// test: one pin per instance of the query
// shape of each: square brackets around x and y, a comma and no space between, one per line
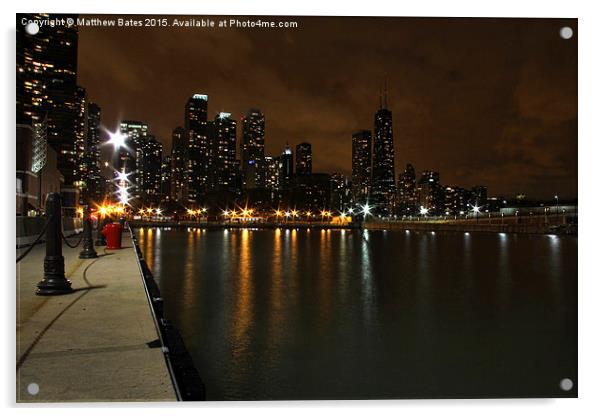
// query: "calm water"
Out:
[299,314]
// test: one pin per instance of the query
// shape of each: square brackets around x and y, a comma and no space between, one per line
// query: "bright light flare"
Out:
[366,209]
[122,176]
[424,210]
[117,139]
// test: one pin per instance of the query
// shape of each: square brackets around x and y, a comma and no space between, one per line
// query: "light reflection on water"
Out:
[288,314]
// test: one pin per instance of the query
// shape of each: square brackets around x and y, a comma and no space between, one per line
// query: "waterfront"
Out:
[301,314]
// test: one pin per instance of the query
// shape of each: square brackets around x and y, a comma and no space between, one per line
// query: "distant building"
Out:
[273,168]
[178,159]
[383,162]
[286,170]
[340,193]
[80,173]
[198,147]
[311,192]
[478,196]
[166,179]
[431,194]
[456,200]
[407,197]
[223,154]
[129,157]
[252,150]
[361,165]
[303,163]
[149,175]
[95,181]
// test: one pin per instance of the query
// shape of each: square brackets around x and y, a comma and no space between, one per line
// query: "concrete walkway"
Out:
[93,344]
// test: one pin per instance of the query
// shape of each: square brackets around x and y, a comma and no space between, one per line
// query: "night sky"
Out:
[482,101]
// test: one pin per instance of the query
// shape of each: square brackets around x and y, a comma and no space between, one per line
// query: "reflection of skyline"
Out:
[267,310]
[469,105]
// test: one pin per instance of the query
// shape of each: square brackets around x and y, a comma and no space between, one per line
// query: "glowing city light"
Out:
[122,176]
[158,211]
[366,209]
[423,210]
[117,139]
[476,209]
[123,195]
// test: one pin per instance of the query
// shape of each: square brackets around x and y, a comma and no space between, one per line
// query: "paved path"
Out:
[93,344]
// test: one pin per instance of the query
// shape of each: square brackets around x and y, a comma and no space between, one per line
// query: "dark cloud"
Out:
[484,101]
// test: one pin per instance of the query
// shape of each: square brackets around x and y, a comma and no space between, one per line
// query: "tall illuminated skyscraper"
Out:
[95,181]
[179,165]
[46,85]
[252,150]
[128,158]
[286,169]
[303,163]
[383,164]
[407,198]
[81,137]
[198,147]
[149,171]
[361,165]
[223,153]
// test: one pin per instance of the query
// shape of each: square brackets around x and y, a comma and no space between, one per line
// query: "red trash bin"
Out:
[112,233]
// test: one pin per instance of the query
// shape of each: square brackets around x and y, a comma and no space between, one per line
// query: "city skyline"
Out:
[507,119]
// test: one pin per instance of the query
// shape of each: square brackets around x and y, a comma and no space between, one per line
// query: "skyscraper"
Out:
[286,170]
[129,157]
[95,181]
[46,85]
[149,173]
[273,168]
[431,195]
[340,193]
[166,179]
[179,165]
[303,160]
[407,191]
[383,165]
[195,119]
[223,153]
[80,173]
[361,165]
[252,150]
